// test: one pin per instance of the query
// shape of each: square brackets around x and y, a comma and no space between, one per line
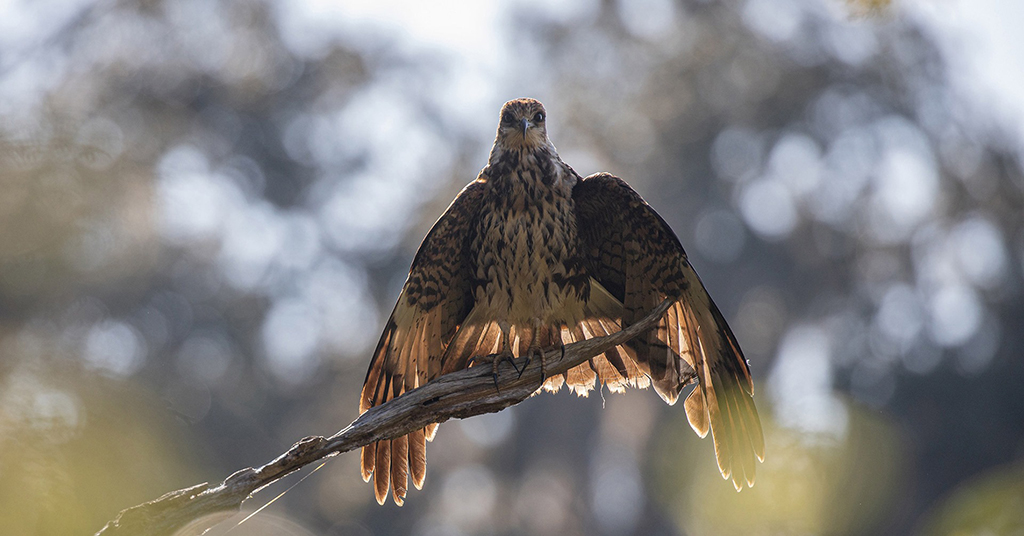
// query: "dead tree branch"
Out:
[460,394]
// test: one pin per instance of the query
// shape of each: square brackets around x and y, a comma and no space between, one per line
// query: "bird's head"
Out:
[522,124]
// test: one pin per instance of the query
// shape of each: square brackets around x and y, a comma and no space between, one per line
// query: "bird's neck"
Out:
[531,166]
[530,183]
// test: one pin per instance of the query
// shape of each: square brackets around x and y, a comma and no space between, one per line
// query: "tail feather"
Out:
[368,459]
[382,473]
[399,468]
[618,362]
[580,378]
[607,374]
[418,457]
[617,368]
[554,383]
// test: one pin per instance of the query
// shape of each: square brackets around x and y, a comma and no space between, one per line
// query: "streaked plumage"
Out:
[530,256]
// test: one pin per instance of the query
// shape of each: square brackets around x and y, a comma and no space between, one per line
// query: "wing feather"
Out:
[630,251]
[434,302]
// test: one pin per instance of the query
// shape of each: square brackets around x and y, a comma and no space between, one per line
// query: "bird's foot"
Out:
[531,352]
[495,360]
[507,356]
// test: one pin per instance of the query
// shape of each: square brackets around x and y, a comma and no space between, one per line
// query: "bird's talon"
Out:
[533,351]
[512,361]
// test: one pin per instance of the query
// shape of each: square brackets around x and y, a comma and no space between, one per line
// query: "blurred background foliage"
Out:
[206,209]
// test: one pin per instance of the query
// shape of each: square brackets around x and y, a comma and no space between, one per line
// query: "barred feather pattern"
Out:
[633,253]
[530,256]
[434,301]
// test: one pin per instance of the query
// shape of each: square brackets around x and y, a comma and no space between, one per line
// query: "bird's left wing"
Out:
[630,251]
[435,300]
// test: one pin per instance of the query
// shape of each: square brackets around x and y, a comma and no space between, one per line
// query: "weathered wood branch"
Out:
[460,394]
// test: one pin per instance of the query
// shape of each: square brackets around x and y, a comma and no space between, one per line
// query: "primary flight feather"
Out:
[530,256]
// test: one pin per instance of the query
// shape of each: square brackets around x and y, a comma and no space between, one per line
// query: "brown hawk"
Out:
[530,256]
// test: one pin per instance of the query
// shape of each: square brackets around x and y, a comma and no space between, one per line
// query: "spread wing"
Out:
[435,300]
[631,251]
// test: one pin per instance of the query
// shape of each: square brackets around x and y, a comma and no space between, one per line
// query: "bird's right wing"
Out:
[435,300]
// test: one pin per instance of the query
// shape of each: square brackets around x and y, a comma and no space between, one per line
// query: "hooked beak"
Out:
[526,125]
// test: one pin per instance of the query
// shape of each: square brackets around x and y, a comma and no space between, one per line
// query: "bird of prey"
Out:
[529,257]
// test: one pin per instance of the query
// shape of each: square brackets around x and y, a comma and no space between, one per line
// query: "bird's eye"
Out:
[539,117]
[507,119]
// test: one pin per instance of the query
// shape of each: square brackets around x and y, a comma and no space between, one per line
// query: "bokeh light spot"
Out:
[720,235]
[490,429]
[955,313]
[114,348]
[768,208]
